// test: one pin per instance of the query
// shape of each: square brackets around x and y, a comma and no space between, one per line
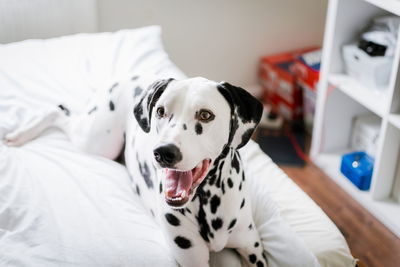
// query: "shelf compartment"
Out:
[338,120]
[373,99]
[348,25]
[383,179]
[387,209]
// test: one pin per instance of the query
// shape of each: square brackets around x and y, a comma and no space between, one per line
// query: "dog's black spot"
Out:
[218,184]
[171,117]
[252,258]
[264,256]
[152,213]
[208,193]
[182,211]
[215,202]
[217,223]
[138,190]
[92,110]
[260,264]
[65,110]
[188,210]
[256,244]
[203,200]
[184,126]
[183,242]
[240,186]
[246,136]
[198,128]
[242,205]
[223,188]
[145,172]
[137,91]
[234,125]
[243,176]
[160,187]
[201,217]
[112,87]
[212,174]
[235,163]
[230,183]
[250,227]
[135,77]
[172,219]
[232,224]
[111,105]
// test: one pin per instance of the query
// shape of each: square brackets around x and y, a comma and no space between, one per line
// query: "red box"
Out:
[278,80]
[306,68]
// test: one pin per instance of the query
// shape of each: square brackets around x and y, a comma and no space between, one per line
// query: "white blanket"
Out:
[62,207]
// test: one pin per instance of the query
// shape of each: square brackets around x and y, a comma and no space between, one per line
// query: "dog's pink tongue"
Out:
[176,182]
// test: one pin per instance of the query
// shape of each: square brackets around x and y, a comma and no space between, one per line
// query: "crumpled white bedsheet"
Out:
[62,207]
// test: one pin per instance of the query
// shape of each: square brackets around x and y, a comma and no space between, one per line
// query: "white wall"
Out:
[221,39]
[25,19]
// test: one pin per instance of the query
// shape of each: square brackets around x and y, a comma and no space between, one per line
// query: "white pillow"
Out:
[68,69]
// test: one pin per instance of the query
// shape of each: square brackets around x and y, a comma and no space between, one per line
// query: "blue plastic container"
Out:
[358,167]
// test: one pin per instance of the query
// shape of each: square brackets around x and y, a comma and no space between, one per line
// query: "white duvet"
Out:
[62,207]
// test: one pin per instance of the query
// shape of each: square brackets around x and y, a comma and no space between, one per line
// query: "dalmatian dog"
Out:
[182,141]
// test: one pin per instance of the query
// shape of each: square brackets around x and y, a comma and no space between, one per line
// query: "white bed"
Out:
[62,207]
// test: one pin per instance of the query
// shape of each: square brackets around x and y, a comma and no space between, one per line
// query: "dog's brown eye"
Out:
[205,115]
[160,112]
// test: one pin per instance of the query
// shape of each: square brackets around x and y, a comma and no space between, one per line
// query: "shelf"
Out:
[392,6]
[387,210]
[394,119]
[342,98]
[373,99]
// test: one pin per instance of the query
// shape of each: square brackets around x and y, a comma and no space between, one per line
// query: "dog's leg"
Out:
[33,128]
[187,246]
[251,248]
[98,130]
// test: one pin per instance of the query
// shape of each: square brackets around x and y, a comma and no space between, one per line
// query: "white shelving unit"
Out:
[341,98]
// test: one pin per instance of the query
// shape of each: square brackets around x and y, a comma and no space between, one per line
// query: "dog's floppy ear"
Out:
[246,112]
[144,107]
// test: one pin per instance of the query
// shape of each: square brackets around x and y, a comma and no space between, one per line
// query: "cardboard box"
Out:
[278,78]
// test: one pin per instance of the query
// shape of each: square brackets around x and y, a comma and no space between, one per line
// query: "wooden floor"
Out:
[368,239]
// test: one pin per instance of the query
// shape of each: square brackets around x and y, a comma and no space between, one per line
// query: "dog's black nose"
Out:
[167,155]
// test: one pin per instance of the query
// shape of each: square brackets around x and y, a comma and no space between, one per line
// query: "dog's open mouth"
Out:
[180,184]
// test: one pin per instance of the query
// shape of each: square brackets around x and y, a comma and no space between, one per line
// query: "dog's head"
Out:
[193,121]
